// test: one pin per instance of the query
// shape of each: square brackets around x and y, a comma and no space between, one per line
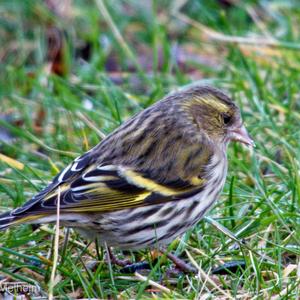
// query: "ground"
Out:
[72,71]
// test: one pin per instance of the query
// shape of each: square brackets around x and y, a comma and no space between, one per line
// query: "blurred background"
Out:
[71,71]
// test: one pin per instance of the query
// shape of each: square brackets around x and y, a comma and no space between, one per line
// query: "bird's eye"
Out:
[226,118]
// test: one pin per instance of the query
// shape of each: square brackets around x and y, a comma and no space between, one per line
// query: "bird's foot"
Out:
[132,268]
[180,264]
[116,261]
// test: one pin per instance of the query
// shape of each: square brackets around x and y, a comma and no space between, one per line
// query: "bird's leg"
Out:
[129,267]
[179,263]
[116,261]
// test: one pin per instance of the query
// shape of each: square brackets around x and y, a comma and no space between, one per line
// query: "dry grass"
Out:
[71,73]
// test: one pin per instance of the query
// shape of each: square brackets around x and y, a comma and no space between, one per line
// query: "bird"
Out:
[151,179]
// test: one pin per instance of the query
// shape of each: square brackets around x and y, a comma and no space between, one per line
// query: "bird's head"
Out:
[216,115]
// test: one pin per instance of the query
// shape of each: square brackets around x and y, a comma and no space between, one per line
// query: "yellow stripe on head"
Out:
[211,101]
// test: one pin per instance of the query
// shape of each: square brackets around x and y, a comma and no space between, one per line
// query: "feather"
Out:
[107,188]
[159,155]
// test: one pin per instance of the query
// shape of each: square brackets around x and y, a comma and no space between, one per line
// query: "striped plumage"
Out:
[151,179]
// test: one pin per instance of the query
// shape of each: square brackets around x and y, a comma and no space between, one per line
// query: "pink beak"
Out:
[241,135]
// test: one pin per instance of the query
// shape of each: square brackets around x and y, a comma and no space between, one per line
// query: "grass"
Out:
[115,58]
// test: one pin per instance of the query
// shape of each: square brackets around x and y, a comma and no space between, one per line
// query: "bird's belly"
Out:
[153,225]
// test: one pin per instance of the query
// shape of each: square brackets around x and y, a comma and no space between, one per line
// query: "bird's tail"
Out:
[8,219]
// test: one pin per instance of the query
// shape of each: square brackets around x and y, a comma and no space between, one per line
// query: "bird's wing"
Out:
[105,188]
[99,181]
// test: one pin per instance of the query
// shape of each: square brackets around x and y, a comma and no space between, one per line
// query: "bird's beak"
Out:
[241,135]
